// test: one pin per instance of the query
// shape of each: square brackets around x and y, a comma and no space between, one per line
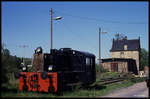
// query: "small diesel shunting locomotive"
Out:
[51,71]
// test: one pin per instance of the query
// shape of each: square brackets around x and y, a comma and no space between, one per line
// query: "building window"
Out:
[125,47]
[121,54]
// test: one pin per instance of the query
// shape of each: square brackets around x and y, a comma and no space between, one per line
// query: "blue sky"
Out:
[27,23]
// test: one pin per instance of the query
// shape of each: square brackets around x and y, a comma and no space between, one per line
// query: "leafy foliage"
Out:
[10,64]
[102,70]
[144,58]
[5,56]
[27,61]
[97,68]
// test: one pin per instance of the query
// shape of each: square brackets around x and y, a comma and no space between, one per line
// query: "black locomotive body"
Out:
[73,66]
[52,71]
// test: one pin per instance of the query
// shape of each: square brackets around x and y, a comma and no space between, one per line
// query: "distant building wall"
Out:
[122,66]
[127,54]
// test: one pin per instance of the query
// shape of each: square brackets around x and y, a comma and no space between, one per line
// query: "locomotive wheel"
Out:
[25,88]
[59,93]
[17,75]
[51,89]
[44,75]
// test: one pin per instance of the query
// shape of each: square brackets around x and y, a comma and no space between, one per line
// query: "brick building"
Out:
[124,49]
[120,65]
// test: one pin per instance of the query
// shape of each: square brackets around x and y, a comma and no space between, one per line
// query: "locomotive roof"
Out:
[76,51]
[85,53]
[81,52]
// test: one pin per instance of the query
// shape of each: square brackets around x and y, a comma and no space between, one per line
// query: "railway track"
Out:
[118,78]
[104,81]
[110,81]
[99,84]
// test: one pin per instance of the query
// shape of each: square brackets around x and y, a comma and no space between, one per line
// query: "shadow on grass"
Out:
[96,87]
[74,88]
[10,90]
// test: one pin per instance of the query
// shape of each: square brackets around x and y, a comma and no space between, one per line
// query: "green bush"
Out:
[101,69]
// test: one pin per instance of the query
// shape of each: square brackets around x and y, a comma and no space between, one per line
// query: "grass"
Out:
[95,91]
[109,75]
[11,90]
[99,90]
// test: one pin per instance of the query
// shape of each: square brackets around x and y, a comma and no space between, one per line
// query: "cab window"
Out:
[87,61]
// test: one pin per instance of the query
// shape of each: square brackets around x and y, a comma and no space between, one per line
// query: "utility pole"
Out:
[100,31]
[23,46]
[99,46]
[51,27]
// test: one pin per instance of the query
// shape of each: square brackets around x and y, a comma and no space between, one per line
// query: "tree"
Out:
[27,61]
[9,64]
[144,58]
[5,56]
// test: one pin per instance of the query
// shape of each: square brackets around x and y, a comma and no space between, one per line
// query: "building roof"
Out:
[116,59]
[132,45]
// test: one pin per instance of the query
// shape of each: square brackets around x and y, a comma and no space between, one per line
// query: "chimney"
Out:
[124,38]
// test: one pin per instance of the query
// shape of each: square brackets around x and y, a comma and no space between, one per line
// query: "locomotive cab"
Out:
[75,66]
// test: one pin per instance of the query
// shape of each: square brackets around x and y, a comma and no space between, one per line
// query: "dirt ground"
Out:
[137,90]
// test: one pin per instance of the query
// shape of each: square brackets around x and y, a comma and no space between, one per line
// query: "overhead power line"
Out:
[64,24]
[97,19]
